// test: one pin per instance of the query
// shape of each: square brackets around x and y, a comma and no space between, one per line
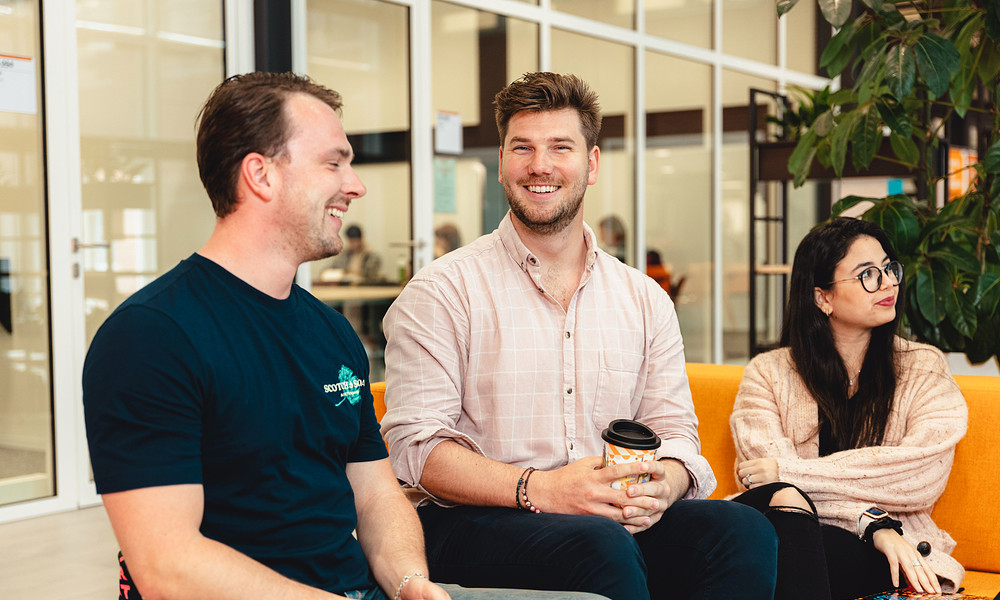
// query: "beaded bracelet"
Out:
[520,482]
[406,580]
[524,493]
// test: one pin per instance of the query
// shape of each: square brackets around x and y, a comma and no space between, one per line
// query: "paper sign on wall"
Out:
[17,84]
[448,138]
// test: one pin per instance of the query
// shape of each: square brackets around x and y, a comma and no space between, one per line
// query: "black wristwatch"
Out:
[874,519]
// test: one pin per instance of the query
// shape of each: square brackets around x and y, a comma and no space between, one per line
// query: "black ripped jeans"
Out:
[818,561]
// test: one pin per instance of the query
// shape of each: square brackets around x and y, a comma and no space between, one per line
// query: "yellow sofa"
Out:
[969,509]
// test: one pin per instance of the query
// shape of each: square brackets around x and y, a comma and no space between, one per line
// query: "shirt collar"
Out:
[524,257]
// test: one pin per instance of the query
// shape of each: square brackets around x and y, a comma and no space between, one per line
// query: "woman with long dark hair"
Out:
[845,434]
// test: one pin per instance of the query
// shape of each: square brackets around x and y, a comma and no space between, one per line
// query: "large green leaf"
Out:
[915,322]
[900,70]
[937,59]
[823,123]
[960,88]
[823,152]
[875,5]
[949,13]
[944,226]
[961,310]
[870,78]
[991,162]
[894,116]
[984,345]
[905,148]
[992,18]
[849,201]
[895,215]
[989,61]
[950,339]
[836,12]
[842,96]
[839,138]
[956,255]
[930,292]
[866,138]
[994,185]
[785,6]
[840,50]
[801,159]
[988,294]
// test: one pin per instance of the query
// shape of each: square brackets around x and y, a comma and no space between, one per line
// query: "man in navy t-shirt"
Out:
[228,411]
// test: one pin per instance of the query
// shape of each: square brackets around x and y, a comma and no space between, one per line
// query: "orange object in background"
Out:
[656,270]
[960,173]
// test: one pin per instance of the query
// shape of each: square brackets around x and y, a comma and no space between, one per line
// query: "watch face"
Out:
[876,511]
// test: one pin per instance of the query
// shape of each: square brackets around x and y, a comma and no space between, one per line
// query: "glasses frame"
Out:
[878,271]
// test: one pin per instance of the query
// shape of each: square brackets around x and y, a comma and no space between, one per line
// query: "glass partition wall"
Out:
[672,187]
[360,48]
[418,78]
[490,51]
[145,68]
[26,430]
[678,178]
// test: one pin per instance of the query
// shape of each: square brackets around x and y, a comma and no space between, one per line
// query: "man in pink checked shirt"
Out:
[508,357]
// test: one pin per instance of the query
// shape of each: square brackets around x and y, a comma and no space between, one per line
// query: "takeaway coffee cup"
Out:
[627,441]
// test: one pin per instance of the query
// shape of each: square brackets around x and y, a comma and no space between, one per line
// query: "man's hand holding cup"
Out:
[627,441]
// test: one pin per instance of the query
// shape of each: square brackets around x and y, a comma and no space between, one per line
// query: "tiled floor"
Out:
[70,556]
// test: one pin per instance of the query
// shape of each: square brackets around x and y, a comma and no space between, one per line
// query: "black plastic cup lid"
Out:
[630,434]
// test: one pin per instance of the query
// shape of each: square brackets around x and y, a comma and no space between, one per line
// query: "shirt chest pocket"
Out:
[616,385]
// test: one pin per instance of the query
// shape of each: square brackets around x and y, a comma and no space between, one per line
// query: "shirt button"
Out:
[533,261]
[541,290]
[569,390]
[567,335]
[571,445]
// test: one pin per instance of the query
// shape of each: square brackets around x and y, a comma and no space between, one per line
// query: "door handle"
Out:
[77,245]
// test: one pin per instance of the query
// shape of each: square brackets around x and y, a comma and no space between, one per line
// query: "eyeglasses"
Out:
[871,278]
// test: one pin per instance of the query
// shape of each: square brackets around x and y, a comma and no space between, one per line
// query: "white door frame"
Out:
[73,488]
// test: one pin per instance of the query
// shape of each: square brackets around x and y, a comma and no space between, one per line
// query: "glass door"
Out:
[145,68]
[26,424]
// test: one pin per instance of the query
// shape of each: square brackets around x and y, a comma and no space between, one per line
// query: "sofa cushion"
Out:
[714,388]
[970,506]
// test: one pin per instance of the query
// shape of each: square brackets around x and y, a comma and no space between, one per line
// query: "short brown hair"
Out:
[245,114]
[549,91]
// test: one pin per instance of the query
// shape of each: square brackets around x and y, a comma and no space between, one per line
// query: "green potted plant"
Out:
[914,65]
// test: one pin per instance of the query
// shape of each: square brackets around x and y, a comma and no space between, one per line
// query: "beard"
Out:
[310,236]
[324,248]
[544,223]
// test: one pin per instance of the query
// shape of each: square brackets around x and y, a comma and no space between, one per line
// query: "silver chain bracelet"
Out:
[406,580]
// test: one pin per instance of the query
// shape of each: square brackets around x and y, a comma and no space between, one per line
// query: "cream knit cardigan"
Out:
[775,416]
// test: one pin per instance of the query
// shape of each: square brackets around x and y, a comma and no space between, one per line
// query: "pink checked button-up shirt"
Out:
[479,354]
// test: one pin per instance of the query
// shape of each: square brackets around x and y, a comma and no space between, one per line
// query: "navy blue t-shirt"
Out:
[201,378]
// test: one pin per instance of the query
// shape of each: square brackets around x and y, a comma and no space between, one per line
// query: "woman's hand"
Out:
[757,472]
[902,555]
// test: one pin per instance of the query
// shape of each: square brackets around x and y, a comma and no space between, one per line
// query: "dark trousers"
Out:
[699,549]
[819,561]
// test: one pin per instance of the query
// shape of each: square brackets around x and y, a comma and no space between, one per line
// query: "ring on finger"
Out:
[916,562]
